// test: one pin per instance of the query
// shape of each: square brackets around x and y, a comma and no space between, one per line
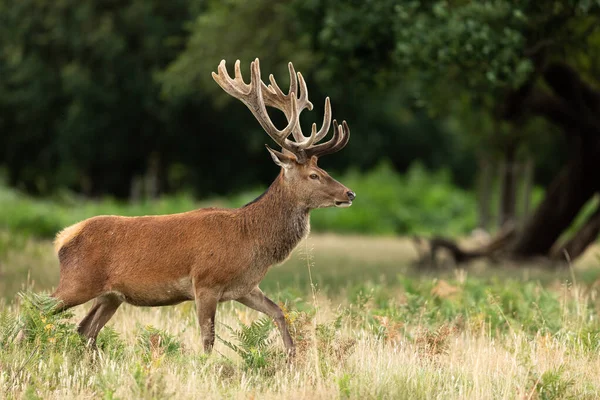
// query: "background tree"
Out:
[518,60]
[360,84]
[80,101]
[95,95]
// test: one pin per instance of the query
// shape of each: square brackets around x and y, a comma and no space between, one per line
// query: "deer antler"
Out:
[256,96]
[341,136]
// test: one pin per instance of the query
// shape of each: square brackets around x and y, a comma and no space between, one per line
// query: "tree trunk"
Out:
[527,186]
[575,106]
[152,178]
[485,190]
[565,197]
[508,189]
[135,189]
[585,236]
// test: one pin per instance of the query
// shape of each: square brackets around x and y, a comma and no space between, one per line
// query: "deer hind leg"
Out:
[71,295]
[104,308]
[257,300]
[206,308]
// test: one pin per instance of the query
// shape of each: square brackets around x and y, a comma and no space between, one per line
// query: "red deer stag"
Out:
[209,255]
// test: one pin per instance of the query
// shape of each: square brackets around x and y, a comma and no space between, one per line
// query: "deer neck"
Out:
[277,220]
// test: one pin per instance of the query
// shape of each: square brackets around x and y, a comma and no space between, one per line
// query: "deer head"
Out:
[311,185]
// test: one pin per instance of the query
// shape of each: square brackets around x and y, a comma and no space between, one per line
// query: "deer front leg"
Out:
[257,300]
[206,308]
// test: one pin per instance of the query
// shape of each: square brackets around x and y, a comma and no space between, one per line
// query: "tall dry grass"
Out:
[460,335]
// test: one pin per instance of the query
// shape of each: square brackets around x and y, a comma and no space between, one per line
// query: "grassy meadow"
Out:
[369,326]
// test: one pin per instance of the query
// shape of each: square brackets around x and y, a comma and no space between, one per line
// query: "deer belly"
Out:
[157,293]
[244,284]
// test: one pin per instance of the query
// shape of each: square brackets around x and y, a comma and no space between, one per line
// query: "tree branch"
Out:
[580,98]
[585,236]
[554,109]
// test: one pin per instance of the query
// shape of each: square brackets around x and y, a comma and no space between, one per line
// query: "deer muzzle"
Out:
[350,195]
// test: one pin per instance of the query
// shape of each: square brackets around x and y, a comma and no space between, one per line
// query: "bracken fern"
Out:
[254,344]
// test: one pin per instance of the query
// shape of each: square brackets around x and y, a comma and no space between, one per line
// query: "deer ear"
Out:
[283,160]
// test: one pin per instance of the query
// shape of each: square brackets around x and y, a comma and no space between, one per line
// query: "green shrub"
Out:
[387,203]
[254,345]
[155,344]
[44,328]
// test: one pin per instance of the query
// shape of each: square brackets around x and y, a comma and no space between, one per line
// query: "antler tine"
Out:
[276,90]
[342,142]
[238,74]
[260,111]
[274,87]
[293,82]
[303,100]
[274,97]
[326,121]
[303,103]
[257,96]
[251,95]
[341,136]
[227,84]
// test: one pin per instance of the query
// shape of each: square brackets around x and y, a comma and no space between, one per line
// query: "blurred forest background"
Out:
[463,114]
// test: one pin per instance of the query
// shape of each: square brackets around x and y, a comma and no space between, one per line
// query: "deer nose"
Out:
[351,195]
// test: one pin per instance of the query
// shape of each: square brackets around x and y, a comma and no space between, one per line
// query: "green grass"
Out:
[370,327]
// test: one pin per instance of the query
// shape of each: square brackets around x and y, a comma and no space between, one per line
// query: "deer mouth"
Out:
[343,204]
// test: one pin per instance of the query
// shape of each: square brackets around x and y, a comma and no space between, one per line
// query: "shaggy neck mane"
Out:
[287,222]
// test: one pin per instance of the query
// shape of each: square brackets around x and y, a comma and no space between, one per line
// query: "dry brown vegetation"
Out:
[372,328]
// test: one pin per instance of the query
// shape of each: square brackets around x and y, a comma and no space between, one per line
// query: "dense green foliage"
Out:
[78,92]
[387,203]
[94,95]
[418,202]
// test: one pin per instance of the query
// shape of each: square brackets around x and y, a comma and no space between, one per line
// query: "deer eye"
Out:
[314,176]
